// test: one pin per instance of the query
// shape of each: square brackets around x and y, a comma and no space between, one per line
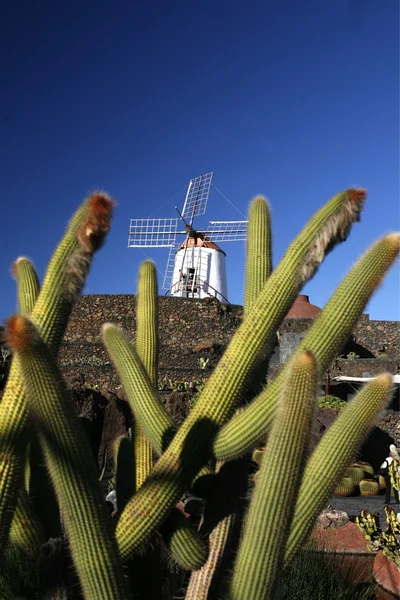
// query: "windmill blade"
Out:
[197,196]
[154,233]
[169,269]
[226,231]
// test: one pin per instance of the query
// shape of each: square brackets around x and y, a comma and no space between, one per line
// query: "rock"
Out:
[387,576]
[332,518]
[347,539]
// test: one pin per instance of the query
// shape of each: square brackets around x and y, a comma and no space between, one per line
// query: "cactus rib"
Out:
[325,339]
[71,464]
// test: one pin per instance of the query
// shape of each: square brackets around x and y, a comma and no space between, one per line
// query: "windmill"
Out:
[196,265]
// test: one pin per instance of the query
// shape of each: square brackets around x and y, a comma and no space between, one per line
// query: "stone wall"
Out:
[191,330]
[380,337]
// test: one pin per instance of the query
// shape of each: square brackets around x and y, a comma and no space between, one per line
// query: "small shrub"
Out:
[352,355]
[331,402]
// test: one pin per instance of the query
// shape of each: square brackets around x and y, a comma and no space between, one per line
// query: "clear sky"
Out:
[293,100]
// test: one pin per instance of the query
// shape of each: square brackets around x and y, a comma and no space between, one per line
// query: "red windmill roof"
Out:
[302,309]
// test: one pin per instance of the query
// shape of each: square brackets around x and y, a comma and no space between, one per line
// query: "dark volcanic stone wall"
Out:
[380,337]
[189,329]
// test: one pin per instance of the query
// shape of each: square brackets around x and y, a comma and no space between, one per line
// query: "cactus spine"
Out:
[65,446]
[259,560]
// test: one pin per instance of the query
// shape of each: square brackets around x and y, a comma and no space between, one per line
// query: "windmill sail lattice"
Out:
[194,263]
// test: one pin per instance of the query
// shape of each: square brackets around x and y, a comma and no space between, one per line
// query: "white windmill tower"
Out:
[196,265]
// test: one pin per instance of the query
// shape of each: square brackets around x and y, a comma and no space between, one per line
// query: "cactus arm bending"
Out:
[141,395]
[325,339]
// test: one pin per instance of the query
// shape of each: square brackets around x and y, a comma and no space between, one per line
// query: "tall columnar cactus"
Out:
[230,498]
[210,432]
[147,349]
[25,530]
[71,464]
[28,285]
[64,279]
[258,251]
[259,560]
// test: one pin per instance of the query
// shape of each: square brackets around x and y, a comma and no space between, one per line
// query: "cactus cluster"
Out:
[237,551]
[388,539]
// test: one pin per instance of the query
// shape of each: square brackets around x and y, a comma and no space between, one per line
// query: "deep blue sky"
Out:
[294,100]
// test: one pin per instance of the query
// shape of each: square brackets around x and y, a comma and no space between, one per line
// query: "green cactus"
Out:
[63,281]
[345,487]
[96,552]
[379,539]
[369,469]
[369,487]
[356,474]
[394,472]
[332,455]
[324,339]
[369,525]
[26,532]
[147,349]
[259,251]
[65,446]
[224,537]
[28,285]
[188,549]
[258,561]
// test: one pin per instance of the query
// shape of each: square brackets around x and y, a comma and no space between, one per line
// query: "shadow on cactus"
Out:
[237,551]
